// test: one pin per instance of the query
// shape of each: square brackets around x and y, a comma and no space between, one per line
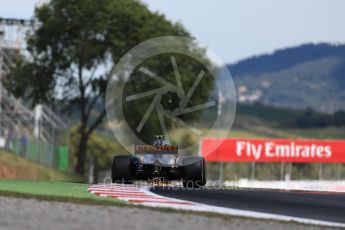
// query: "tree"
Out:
[73,51]
[161,66]
[99,149]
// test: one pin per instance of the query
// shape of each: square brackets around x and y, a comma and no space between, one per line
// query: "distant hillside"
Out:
[304,76]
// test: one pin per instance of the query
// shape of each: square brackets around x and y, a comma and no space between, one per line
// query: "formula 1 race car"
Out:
[159,163]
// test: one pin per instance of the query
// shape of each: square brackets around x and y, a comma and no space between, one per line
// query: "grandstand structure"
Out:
[17,120]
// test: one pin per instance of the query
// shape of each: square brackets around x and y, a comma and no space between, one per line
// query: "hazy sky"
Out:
[241,28]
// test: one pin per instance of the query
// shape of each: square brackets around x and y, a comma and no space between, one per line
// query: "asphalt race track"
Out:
[310,205]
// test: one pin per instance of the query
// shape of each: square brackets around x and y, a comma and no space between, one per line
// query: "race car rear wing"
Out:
[156,149]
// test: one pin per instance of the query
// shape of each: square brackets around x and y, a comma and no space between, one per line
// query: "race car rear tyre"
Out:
[121,170]
[194,172]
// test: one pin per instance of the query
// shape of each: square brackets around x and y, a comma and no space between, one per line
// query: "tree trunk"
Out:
[95,171]
[81,152]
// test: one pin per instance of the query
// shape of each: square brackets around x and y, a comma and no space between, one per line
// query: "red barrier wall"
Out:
[273,150]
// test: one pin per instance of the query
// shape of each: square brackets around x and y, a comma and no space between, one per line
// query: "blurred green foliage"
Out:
[101,149]
[161,66]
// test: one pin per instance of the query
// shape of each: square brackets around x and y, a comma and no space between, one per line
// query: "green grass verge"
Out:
[318,133]
[53,191]
[312,133]
[241,133]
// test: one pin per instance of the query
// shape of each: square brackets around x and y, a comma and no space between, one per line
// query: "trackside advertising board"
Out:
[273,150]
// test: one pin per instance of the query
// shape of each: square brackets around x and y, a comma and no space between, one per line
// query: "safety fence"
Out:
[40,151]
